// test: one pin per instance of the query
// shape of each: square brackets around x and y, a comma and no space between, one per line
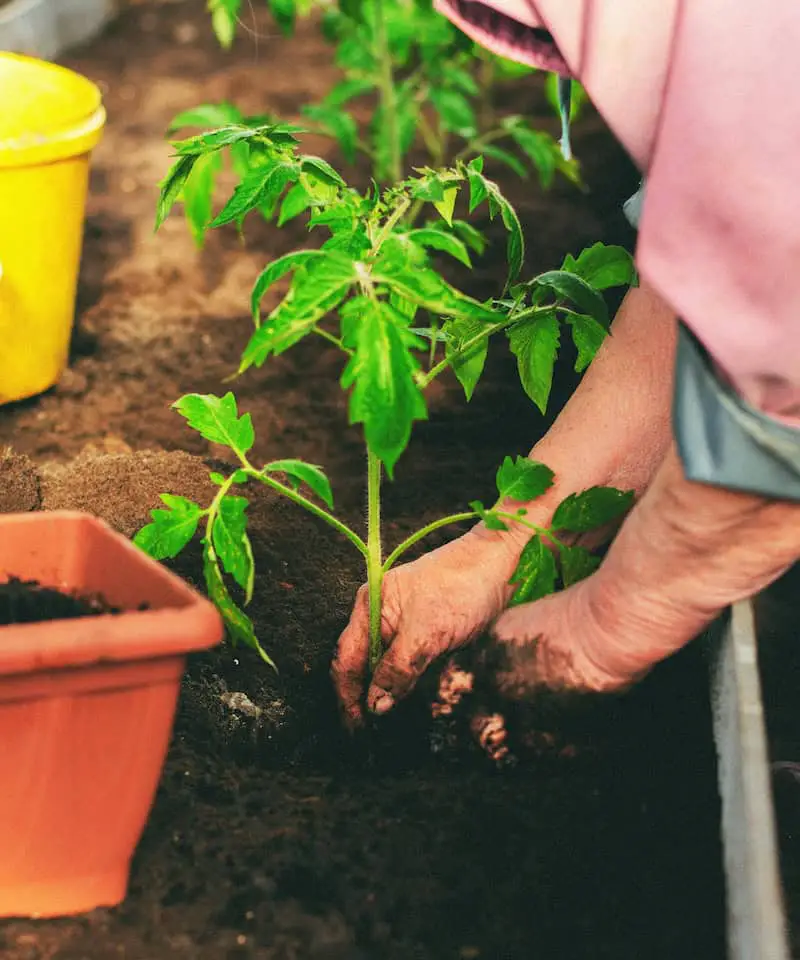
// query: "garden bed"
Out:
[274,835]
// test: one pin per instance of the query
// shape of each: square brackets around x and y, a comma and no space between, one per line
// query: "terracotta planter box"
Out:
[86,711]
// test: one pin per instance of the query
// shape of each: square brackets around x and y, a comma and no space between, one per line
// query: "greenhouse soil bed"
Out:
[274,835]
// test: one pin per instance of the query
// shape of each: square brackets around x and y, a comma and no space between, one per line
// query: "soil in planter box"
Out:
[275,836]
[25,601]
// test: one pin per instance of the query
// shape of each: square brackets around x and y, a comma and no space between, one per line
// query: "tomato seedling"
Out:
[366,291]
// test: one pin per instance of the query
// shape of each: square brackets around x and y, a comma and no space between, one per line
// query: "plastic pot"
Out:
[50,120]
[86,711]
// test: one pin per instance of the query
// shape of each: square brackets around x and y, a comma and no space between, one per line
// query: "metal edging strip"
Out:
[756,922]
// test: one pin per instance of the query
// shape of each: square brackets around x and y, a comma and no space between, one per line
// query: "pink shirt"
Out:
[705,96]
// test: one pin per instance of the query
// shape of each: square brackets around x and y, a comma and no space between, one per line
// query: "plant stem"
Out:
[309,505]
[423,532]
[398,551]
[490,328]
[388,93]
[375,568]
[332,338]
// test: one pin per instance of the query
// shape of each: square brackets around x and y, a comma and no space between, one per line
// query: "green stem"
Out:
[309,505]
[409,542]
[375,568]
[332,338]
[490,328]
[388,93]
[398,551]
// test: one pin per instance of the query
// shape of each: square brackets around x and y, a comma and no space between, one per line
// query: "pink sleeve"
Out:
[720,232]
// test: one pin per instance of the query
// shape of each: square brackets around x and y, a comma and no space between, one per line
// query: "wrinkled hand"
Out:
[557,644]
[436,604]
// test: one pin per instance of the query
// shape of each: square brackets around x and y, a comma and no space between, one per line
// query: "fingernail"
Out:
[383,704]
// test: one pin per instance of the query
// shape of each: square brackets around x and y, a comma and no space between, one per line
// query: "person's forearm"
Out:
[615,428]
[685,553]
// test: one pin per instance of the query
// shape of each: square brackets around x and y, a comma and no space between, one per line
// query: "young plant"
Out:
[367,291]
[419,81]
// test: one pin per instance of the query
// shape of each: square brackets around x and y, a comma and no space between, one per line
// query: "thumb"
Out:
[399,669]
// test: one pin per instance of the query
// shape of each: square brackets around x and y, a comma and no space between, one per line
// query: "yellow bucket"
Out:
[50,120]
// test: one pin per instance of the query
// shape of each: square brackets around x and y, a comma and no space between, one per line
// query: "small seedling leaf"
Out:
[577,563]
[467,366]
[508,159]
[603,266]
[277,269]
[535,576]
[198,193]
[481,188]
[593,508]
[217,420]
[440,240]
[298,471]
[260,189]
[588,336]
[534,342]
[229,537]
[522,479]
[380,375]
[447,204]
[172,187]
[574,288]
[238,625]
[171,529]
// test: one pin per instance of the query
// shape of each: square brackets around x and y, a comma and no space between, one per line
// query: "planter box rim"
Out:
[186,622]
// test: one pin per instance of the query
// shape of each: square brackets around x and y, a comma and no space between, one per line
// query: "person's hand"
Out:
[436,604]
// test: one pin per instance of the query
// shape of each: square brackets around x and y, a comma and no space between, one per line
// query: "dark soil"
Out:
[274,836]
[25,601]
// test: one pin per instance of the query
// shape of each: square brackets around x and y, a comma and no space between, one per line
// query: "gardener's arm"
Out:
[614,430]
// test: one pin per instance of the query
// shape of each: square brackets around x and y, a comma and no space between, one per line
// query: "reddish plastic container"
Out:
[86,711]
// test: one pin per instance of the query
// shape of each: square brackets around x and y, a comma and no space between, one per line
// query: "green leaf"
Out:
[447,205]
[224,16]
[603,266]
[172,187]
[490,519]
[455,111]
[317,288]
[534,342]
[198,192]
[522,479]
[588,337]
[234,133]
[261,187]
[574,288]
[277,269]
[595,507]
[439,240]
[431,291]
[540,148]
[294,203]
[577,563]
[239,626]
[481,188]
[285,14]
[347,90]
[231,543]
[535,575]
[473,238]
[339,123]
[384,394]
[298,471]
[468,366]
[323,170]
[171,529]
[207,115]
[503,156]
[217,420]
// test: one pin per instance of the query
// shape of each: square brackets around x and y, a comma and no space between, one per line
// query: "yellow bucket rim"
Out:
[76,113]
